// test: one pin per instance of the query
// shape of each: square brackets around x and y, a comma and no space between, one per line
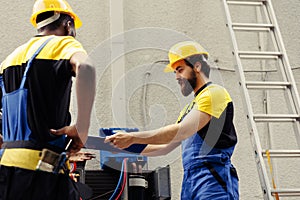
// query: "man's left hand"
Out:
[72,133]
[81,156]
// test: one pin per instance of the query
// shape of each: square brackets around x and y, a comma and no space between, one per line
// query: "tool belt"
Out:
[45,160]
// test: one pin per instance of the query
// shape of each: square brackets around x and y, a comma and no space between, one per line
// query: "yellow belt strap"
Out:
[20,157]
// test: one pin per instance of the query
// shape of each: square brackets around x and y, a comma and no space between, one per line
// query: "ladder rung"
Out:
[276,117]
[282,153]
[286,192]
[260,71]
[252,27]
[267,85]
[246,3]
[259,54]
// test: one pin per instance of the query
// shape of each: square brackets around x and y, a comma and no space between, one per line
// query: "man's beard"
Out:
[188,85]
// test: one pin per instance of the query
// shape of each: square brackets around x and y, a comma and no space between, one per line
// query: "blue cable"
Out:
[119,182]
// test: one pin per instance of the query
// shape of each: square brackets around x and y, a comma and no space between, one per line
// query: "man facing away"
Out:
[36,98]
[204,129]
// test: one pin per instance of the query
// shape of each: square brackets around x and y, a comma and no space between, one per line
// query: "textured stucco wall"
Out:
[151,27]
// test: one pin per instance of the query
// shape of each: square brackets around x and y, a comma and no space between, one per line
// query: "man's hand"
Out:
[72,133]
[120,140]
[81,156]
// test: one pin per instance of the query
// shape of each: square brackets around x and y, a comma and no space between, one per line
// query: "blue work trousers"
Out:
[200,184]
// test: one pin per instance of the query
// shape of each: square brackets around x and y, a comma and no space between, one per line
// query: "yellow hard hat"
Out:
[59,6]
[183,50]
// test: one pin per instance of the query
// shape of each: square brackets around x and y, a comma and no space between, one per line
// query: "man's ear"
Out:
[197,66]
[70,29]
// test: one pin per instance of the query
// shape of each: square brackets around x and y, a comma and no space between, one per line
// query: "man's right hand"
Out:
[120,139]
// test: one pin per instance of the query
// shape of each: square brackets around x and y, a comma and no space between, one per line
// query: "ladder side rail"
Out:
[293,95]
[287,77]
[285,59]
[251,124]
[277,46]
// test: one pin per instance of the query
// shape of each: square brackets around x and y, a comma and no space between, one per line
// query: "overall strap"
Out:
[215,174]
[29,63]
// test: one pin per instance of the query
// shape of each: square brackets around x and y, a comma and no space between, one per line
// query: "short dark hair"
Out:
[56,24]
[191,61]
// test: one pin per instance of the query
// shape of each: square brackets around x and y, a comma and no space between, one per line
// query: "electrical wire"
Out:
[124,179]
[147,75]
[102,195]
[120,180]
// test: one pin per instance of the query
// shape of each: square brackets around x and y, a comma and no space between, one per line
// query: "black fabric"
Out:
[31,145]
[222,128]
[21,184]
[233,172]
[202,88]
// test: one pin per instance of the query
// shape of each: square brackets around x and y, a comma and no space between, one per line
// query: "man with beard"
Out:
[204,129]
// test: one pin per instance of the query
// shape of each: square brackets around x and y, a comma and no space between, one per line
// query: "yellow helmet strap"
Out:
[48,20]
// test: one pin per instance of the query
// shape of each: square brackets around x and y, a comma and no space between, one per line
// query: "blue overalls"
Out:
[208,172]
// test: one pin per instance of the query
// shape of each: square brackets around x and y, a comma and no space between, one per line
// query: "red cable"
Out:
[124,179]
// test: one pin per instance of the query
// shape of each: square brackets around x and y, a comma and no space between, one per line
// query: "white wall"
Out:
[151,27]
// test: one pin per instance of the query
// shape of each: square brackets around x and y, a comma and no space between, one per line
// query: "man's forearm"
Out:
[159,149]
[85,89]
[162,135]
[193,122]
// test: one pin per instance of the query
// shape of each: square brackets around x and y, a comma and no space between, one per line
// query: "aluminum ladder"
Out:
[264,72]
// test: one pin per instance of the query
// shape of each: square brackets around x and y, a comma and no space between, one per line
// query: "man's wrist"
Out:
[136,138]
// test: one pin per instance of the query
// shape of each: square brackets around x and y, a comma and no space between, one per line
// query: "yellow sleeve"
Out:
[66,47]
[212,100]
